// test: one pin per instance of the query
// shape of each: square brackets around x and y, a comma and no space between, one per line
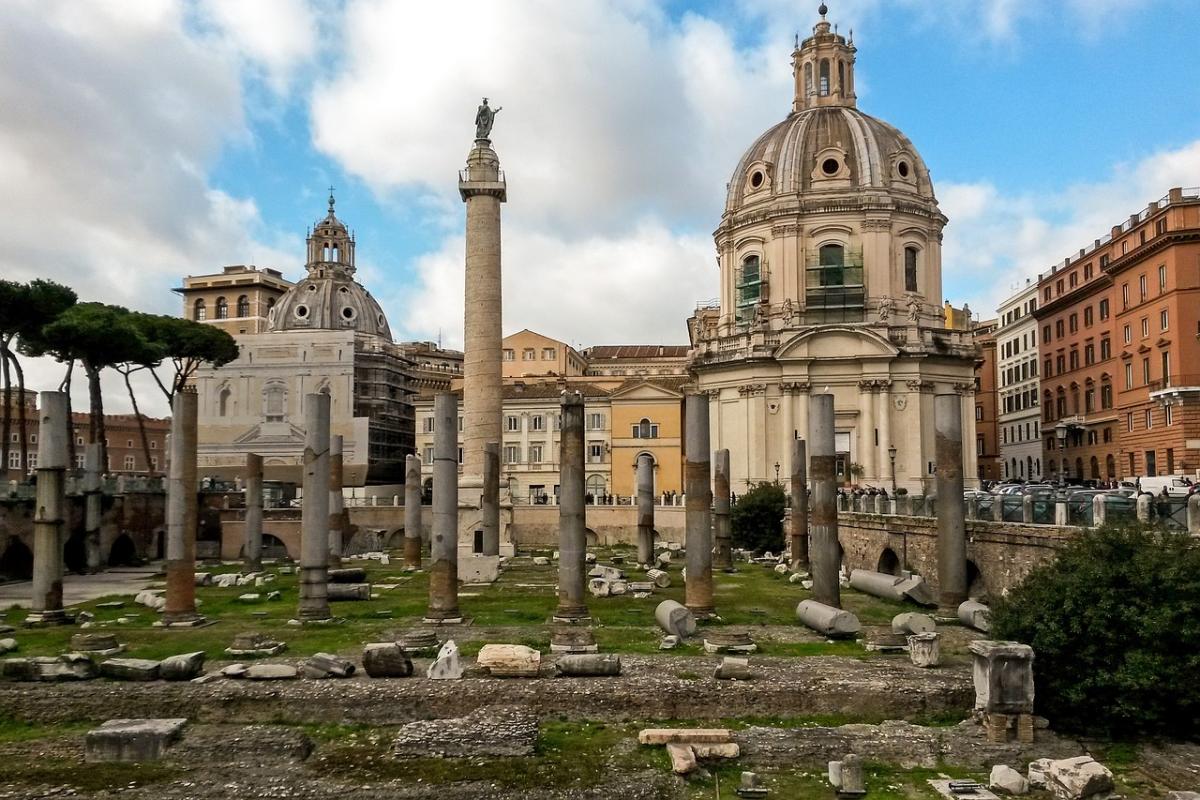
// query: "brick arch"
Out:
[888,562]
[976,584]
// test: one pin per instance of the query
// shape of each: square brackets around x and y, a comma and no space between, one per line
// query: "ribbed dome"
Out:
[828,149]
[332,301]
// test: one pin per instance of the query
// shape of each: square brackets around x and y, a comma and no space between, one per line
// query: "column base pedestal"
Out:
[182,621]
[442,621]
[46,619]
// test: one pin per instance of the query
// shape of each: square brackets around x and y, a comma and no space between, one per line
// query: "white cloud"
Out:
[113,116]
[276,36]
[995,240]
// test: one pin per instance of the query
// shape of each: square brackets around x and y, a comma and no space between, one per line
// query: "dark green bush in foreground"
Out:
[757,518]
[1114,623]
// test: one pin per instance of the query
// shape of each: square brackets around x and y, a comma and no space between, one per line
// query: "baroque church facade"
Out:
[830,261]
[323,334]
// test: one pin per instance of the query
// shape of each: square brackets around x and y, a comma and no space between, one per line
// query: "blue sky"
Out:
[169,137]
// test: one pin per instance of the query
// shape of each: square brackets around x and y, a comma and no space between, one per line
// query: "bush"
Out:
[1114,623]
[757,518]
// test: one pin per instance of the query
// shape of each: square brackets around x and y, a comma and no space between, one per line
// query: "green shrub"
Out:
[757,518]
[1114,623]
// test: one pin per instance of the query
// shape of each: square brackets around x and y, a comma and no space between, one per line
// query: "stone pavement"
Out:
[82,588]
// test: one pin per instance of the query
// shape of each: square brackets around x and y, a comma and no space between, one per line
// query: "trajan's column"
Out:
[483,189]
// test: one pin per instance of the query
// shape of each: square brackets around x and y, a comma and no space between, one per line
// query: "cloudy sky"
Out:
[143,140]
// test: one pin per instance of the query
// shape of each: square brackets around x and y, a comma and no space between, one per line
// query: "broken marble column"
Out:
[183,510]
[698,582]
[847,776]
[50,511]
[645,509]
[443,570]
[583,665]
[952,530]
[675,619]
[912,622]
[798,516]
[924,649]
[314,515]
[572,530]
[448,664]
[337,519]
[823,523]
[722,524]
[93,499]
[252,549]
[733,669]
[412,511]
[828,620]
[386,660]
[509,660]
[891,587]
[490,499]
[975,614]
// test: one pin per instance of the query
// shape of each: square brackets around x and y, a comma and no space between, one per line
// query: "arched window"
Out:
[1110,466]
[824,77]
[274,402]
[270,303]
[223,402]
[646,429]
[1095,468]
[200,312]
[243,306]
[808,80]
[833,259]
[222,308]
[910,269]
[1078,467]
[842,78]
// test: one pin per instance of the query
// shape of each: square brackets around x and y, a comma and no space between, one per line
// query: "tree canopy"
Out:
[757,518]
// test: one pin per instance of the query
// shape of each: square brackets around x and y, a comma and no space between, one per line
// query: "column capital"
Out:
[752,389]
[919,386]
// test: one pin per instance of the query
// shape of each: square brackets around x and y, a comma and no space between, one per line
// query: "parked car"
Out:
[1176,485]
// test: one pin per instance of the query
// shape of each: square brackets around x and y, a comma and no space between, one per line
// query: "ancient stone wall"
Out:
[1000,554]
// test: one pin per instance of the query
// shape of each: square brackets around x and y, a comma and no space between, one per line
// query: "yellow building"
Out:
[238,299]
[647,417]
[527,354]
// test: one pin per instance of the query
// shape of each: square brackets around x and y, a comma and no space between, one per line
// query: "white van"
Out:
[1176,485]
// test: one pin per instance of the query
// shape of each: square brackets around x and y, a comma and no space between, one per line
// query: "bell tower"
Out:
[823,68]
[330,246]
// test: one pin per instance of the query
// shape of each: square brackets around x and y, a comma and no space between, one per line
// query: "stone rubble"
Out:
[447,665]
[1080,778]
[488,733]
[183,667]
[509,661]
[1006,780]
[386,660]
[132,740]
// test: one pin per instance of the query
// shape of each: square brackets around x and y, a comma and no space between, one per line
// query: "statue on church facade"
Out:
[485,117]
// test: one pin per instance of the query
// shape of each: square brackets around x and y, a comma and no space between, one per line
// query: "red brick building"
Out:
[987,431]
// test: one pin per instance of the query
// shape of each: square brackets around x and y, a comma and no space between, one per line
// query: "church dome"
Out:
[328,297]
[828,148]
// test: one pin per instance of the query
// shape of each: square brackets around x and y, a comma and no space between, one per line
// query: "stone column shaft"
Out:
[823,522]
[572,525]
[314,518]
[252,552]
[50,509]
[798,519]
[491,499]
[645,509]
[412,511]
[722,532]
[93,505]
[698,586]
[182,514]
[952,535]
[443,570]
[337,517]
[867,430]
[883,458]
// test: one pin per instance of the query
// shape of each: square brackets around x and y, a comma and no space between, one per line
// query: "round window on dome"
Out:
[347,313]
[312,287]
[379,319]
[301,311]
[756,180]
[830,166]
[902,168]
[344,290]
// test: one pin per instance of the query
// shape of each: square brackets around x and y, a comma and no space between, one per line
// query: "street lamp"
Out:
[777,472]
[892,456]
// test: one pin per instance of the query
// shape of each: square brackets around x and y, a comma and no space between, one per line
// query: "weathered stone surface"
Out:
[913,622]
[68,667]
[608,573]
[1080,778]
[234,671]
[348,575]
[327,665]
[541,561]
[1036,773]
[479,569]
[254,644]
[924,649]
[751,786]
[249,597]
[386,660]
[827,620]
[271,672]
[725,750]
[975,615]
[846,776]
[349,591]
[588,665]
[728,640]
[494,733]
[1003,676]
[641,587]
[203,579]
[675,619]
[1183,796]
[599,587]
[129,669]
[660,578]
[419,641]
[7,646]
[226,580]
[1006,780]
[509,660]
[447,665]
[101,643]
[573,639]
[182,667]
[132,740]
[151,599]
[657,736]
[683,758]
[733,669]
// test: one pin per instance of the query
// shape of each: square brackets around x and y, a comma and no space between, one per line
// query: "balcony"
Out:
[1175,387]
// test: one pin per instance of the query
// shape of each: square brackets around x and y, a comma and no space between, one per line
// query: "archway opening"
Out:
[75,553]
[123,553]
[273,547]
[889,563]
[976,588]
[16,564]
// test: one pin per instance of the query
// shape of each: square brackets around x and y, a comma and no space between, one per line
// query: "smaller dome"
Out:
[329,301]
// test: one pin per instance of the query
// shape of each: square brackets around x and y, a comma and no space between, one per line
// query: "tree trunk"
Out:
[65,387]
[6,425]
[141,423]
[96,430]
[23,425]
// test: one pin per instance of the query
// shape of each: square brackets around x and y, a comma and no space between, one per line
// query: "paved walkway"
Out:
[81,588]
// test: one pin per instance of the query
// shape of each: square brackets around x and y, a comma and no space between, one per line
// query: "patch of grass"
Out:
[96,777]
[882,781]
[16,730]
